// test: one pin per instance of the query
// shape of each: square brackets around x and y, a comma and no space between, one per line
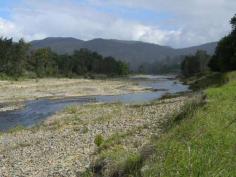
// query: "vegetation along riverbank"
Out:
[201,141]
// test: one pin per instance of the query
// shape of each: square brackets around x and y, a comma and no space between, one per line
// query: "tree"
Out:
[123,68]
[224,58]
[65,65]
[195,64]
[233,23]
[5,54]
[203,60]
[13,57]
[18,59]
[44,62]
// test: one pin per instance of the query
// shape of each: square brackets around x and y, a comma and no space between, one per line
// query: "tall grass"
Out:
[117,161]
[202,145]
[207,80]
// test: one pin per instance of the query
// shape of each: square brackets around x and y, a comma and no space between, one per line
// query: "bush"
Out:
[99,140]
[71,109]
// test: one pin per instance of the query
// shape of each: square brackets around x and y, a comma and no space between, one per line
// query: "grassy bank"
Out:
[199,141]
[205,80]
[209,79]
[203,144]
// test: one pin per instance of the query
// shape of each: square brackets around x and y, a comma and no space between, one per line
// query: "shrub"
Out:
[71,109]
[99,140]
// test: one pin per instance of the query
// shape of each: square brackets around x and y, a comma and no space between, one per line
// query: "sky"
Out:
[175,23]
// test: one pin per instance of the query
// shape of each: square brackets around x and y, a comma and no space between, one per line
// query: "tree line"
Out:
[223,60]
[165,66]
[195,64]
[17,59]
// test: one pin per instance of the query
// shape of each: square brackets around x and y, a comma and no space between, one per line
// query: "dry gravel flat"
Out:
[60,88]
[14,93]
[64,144]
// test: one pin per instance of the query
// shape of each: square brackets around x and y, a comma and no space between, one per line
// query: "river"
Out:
[36,111]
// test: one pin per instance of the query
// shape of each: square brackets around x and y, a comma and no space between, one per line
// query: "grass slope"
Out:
[204,144]
[200,141]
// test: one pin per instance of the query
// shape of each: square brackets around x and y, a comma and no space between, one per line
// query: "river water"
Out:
[36,111]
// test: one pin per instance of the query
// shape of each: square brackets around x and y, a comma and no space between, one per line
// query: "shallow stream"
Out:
[36,111]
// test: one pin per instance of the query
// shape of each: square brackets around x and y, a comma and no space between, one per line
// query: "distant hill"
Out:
[209,47]
[59,45]
[133,52]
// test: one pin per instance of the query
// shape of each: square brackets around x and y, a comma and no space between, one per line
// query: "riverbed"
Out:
[63,144]
[35,111]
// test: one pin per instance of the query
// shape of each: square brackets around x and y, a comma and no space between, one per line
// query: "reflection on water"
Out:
[37,110]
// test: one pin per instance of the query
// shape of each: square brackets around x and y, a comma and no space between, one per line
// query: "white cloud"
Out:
[199,20]
[7,28]
[193,22]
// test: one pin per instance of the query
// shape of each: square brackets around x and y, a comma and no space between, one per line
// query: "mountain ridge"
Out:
[133,52]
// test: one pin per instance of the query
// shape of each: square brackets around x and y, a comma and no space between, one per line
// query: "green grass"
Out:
[118,161]
[16,129]
[99,140]
[114,139]
[113,158]
[73,109]
[231,76]
[205,80]
[102,119]
[204,144]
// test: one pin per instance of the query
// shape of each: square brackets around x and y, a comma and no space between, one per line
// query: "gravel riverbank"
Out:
[64,144]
